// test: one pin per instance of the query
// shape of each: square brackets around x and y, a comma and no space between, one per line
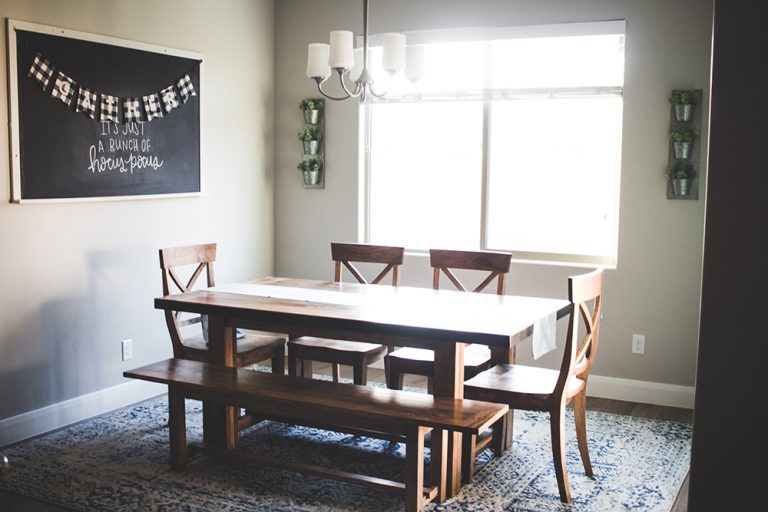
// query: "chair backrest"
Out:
[348,254]
[495,263]
[202,257]
[585,292]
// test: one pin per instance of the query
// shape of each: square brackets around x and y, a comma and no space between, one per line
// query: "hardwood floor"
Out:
[12,502]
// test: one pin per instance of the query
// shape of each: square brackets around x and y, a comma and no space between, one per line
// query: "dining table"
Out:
[400,316]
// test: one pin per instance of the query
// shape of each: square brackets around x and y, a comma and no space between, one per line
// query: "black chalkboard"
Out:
[64,154]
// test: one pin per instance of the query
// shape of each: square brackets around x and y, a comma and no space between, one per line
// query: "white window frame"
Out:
[471,34]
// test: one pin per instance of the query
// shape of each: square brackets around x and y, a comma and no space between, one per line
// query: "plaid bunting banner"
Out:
[170,99]
[109,110]
[41,70]
[86,102]
[132,110]
[186,88]
[64,88]
[152,106]
[109,107]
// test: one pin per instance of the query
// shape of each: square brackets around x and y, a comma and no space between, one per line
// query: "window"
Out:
[510,143]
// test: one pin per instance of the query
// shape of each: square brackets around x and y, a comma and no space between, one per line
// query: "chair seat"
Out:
[515,382]
[474,356]
[246,344]
[331,346]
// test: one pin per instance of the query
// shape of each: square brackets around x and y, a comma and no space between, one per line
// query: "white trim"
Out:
[52,417]
[644,392]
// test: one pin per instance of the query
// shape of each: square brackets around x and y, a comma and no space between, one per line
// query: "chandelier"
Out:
[339,56]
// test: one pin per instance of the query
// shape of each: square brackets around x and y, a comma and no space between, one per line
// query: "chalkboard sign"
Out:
[95,117]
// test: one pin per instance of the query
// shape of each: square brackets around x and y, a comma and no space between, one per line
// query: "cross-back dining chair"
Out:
[197,260]
[548,390]
[305,349]
[418,361]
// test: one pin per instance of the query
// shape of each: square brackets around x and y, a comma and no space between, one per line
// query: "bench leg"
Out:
[502,434]
[414,469]
[177,425]
[438,464]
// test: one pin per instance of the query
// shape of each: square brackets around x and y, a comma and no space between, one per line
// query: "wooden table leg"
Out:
[504,355]
[219,421]
[449,382]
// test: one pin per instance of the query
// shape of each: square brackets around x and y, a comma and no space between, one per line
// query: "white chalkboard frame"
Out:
[15,151]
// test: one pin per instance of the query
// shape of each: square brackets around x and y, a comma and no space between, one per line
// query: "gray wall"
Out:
[77,278]
[655,288]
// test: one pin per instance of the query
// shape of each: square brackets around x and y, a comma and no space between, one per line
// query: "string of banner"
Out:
[110,108]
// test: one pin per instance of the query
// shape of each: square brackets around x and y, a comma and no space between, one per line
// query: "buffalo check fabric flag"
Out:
[64,88]
[132,110]
[186,88]
[170,99]
[109,110]
[86,102]
[152,106]
[41,70]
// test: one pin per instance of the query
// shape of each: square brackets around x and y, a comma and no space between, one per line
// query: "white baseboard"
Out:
[644,392]
[52,417]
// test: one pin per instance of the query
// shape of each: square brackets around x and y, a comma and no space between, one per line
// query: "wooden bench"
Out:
[302,401]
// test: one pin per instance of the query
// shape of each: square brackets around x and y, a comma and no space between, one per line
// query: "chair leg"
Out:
[580,416]
[278,364]
[469,443]
[292,363]
[335,368]
[360,374]
[431,385]
[557,430]
[393,376]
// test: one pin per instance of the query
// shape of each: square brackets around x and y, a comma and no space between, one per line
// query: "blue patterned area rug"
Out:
[119,463]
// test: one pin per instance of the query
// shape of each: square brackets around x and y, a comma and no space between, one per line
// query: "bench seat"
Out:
[299,400]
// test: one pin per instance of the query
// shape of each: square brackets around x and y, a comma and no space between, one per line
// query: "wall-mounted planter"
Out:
[311,116]
[684,112]
[684,103]
[681,188]
[312,164]
[682,149]
[311,178]
[683,159]
[311,147]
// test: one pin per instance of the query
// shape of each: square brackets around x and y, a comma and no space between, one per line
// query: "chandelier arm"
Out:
[359,86]
[379,94]
[320,82]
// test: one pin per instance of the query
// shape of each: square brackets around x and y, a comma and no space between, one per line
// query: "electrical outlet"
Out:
[638,344]
[127,346]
